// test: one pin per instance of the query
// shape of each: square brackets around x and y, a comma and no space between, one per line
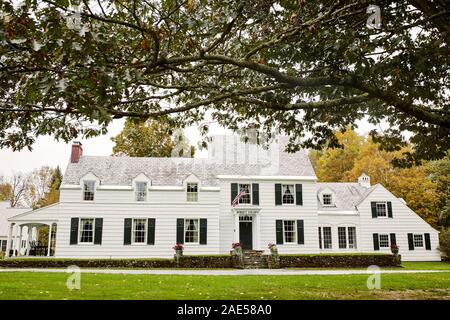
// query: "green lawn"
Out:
[29,285]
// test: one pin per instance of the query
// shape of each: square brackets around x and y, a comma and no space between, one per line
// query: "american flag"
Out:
[239,195]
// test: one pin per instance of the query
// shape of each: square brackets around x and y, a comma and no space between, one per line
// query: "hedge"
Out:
[211,262]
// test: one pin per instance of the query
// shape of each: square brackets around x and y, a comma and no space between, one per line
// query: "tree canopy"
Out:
[424,187]
[305,68]
[151,139]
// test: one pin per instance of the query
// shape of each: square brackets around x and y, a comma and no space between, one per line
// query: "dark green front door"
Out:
[246,235]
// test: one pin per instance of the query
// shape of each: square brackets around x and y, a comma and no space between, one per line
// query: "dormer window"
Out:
[192,192]
[88,190]
[288,193]
[327,199]
[141,191]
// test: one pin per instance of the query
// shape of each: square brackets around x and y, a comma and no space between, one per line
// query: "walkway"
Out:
[244,272]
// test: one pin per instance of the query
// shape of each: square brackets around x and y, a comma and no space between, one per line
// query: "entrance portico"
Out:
[247,228]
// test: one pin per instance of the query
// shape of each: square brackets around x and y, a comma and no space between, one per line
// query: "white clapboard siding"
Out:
[269,213]
[114,205]
[404,221]
[336,220]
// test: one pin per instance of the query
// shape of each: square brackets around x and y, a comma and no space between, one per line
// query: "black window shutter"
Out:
[410,241]
[98,231]
[376,244]
[255,192]
[151,231]
[279,231]
[427,241]
[234,191]
[393,239]
[320,238]
[180,230]
[300,232]
[127,231]
[74,230]
[374,209]
[389,207]
[299,194]
[278,194]
[203,231]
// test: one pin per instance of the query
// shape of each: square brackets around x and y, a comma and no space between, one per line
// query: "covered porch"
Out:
[30,238]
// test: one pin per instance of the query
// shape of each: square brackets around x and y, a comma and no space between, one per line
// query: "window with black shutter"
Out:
[279,231]
[74,230]
[98,231]
[278,194]
[255,194]
[151,231]
[203,231]
[127,231]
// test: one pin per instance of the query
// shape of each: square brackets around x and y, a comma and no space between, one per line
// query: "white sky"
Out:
[48,151]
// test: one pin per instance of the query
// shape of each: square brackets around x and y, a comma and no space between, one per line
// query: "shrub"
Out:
[444,243]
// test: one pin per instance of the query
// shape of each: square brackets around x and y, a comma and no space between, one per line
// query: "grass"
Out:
[430,265]
[37,286]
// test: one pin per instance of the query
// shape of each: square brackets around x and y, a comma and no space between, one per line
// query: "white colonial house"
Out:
[123,207]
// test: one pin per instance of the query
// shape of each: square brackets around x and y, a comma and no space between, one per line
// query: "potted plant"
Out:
[273,250]
[178,251]
[394,249]
[237,247]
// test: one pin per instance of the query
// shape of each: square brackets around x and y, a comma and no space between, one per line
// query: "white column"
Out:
[9,244]
[29,239]
[18,240]
[257,232]
[236,227]
[49,239]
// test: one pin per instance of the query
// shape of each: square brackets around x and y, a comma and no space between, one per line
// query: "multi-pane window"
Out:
[192,192]
[88,190]
[3,245]
[342,237]
[86,230]
[246,197]
[327,242]
[289,227]
[381,209]
[320,237]
[352,237]
[141,191]
[327,199]
[418,241]
[384,240]
[191,230]
[139,230]
[288,193]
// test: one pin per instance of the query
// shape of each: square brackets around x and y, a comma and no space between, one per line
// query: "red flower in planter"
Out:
[178,246]
[236,245]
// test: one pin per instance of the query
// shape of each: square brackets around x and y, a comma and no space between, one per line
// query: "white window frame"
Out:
[197,231]
[80,231]
[294,231]
[354,245]
[416,241]
[388,240]
[292,193]
[345,242]
[138,192]
[385,208]
[322,230]
[331,200]
[250,194]
[133,231]
[85,190]
[192,196]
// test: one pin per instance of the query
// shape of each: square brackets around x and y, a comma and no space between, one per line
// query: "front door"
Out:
[246,235]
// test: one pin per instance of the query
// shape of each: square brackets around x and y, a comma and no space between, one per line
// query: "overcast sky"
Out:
[48,151]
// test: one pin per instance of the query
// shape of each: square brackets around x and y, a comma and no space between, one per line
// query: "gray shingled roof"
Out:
[346,194]
[172,171]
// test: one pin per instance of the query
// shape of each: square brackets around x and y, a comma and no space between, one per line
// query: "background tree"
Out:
[38,184]
[414,184]
[5,190]
[52,194]
[150,139]
[306,68]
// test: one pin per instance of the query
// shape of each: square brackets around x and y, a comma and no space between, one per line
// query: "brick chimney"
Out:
[77,152]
